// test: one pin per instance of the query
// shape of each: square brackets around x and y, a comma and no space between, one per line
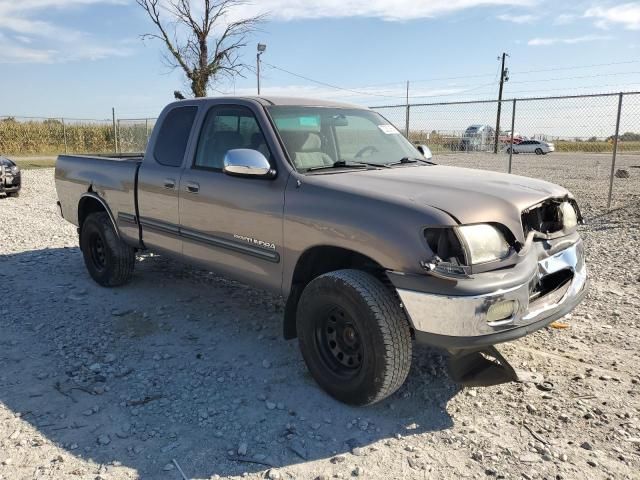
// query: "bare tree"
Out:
[204,45]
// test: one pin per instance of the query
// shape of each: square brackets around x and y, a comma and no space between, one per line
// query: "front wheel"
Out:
[108,259]
[354,336]
[539,151]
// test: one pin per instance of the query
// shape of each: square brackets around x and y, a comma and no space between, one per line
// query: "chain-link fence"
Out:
[596,134]
[133,134]
[594,138]
[35,136]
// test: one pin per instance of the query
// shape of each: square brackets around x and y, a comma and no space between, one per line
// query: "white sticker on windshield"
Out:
[389,129]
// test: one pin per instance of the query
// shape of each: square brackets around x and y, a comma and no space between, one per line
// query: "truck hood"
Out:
[467,195]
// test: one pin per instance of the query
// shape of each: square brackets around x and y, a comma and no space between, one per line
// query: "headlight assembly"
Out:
[485,243]
[458,249]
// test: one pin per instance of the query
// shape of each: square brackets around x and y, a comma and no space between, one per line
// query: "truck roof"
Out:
[291,101]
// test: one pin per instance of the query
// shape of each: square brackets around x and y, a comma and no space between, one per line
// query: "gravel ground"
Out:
[182,365]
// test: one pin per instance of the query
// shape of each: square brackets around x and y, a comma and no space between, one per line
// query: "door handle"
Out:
[193,187]
[169,183]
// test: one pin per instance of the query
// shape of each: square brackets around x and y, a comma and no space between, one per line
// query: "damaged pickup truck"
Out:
[373,245]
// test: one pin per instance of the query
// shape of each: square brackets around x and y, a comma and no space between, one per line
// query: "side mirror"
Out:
[425,151]
[244,162]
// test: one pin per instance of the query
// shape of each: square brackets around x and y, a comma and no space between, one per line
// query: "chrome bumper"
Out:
[456,320]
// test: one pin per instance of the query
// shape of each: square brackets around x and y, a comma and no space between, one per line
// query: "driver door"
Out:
[232,224]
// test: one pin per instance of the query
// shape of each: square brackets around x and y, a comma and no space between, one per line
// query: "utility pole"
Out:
[261,48]
[504,77]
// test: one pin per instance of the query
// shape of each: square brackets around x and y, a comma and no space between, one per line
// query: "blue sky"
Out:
[78,58]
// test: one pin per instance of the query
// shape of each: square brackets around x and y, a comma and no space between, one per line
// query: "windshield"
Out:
[317,137]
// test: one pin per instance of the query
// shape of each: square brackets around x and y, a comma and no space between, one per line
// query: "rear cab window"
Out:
[173,136]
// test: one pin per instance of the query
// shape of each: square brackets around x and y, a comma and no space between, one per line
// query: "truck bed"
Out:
[113,178]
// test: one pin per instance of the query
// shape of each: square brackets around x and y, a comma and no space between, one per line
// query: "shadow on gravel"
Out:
[184,365]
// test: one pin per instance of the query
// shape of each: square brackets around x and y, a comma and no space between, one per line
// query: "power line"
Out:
[389,93]
[363,93]
[623,85]
[319,82]
[575,67]
[481,75]
[577,77]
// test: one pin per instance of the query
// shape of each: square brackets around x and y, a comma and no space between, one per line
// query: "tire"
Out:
[13,194]
[508,151]
[538,151]
[108,259]
[354,336]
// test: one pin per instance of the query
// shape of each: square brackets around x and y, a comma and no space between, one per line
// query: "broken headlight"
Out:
[457,249]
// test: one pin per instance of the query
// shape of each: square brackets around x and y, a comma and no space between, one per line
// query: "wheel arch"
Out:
[90,203]
[316,261]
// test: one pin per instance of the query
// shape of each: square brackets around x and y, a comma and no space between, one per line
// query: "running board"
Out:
[480,368]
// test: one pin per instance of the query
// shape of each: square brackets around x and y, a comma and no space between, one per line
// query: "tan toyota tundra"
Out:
[372,244]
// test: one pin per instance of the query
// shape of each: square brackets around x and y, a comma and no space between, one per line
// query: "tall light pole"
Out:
[261,48]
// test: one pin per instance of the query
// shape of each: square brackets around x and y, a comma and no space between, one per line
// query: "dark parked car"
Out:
[10,182]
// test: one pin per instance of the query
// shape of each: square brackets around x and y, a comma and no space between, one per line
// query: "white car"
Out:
[533,146]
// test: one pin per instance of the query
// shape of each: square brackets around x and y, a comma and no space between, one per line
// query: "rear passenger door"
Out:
[159,180]
[232,224]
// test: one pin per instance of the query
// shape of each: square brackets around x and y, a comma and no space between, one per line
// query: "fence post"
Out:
[146,129]
[615,150]
[64,134]
[406,126]
[513,127]
[115,132]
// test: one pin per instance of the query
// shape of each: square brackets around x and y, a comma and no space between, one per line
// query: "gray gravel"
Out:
[182,365]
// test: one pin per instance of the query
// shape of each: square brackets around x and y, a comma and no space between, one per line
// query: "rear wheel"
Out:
[354,336]
[108,259]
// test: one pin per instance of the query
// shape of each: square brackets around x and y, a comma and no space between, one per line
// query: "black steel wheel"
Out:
[97,252]
[108,259]
[338,341]
[354,336]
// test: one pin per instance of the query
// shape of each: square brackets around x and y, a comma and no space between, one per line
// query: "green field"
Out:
[36,162]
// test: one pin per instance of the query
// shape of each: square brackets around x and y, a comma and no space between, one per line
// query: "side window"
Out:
[228,128]
[174,135]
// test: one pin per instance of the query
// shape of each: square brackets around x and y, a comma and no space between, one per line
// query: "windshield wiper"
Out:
[345,164]
[405,160]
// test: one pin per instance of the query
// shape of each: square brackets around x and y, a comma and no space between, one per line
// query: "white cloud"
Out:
[542,41]
[564,19]
[517,18]
[626,14]
[48,42]
[390,10]
[12,53]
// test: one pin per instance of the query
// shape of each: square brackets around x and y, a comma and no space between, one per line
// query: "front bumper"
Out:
[9,182]
[455,321]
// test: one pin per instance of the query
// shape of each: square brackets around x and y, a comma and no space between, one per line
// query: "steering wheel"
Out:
[368,148]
